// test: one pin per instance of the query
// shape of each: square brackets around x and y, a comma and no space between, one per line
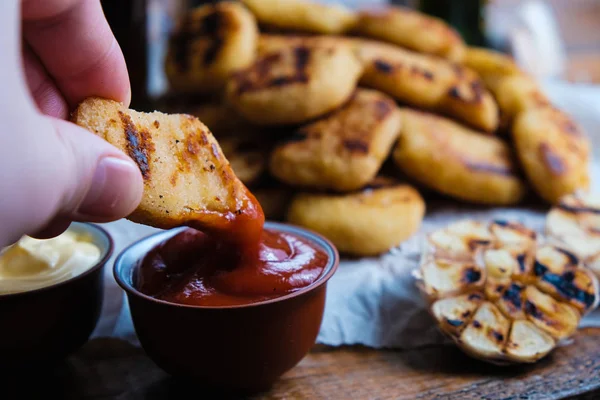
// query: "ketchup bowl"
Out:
[42,326]
[240,347]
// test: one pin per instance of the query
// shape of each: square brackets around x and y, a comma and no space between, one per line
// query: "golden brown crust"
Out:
[516,94]
[294,84]
[413,30]
[271,43]
[513,89]
[187,179]
[553,151]
[457,161]
[302,15]
[261,75]
[342,151]
[364,223]
[428,82]
[416,79]
[491,65]
[212,42]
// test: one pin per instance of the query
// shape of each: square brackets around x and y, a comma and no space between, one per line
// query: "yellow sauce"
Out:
[31,264]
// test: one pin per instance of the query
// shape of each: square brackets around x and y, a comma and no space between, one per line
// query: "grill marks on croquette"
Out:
[187,151]
[388,68]
[552,159]
[472,90]
[189,147]
[472,95]
[260,75]
[140,148]
[139,144]
[211,28]
[355,138]
[499,162]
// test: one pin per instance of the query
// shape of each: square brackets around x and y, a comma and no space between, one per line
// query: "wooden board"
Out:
[113,369]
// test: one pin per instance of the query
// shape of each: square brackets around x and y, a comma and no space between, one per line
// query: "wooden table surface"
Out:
[112,369]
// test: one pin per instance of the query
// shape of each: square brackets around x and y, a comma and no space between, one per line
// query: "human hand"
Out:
[56,53]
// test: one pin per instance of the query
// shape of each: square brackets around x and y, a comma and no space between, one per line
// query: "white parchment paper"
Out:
[374,301]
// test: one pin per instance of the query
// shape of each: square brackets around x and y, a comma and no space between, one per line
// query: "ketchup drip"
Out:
[239,230]
[243,265]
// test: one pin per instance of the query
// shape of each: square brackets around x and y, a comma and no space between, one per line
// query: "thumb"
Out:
[101,183]
[81,177]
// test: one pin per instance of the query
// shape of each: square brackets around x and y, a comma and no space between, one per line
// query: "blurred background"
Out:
[556,40]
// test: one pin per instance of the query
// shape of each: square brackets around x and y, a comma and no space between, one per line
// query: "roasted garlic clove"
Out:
[454,313]
[460,240]
[558,319]
[518,241]
[554,259]
[443,278]
[527,343]
[511,302]
[561,276]
[500,266]
[500,263]
[579,288]
[486,333]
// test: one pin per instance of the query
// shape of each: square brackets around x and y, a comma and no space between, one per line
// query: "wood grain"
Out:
[113,369]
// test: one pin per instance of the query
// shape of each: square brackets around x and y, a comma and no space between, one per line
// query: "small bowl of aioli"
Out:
[227,320]
[51,294]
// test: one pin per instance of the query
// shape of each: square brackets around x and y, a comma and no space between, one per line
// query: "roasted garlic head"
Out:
[502,293]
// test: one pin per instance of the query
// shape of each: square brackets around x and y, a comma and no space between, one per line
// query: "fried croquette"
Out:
[187,179]
[554,152]
[212,42]
[428,82]
[344,150]
[295,84]
[365,223]
[459,162]
[302,15]
[413,30]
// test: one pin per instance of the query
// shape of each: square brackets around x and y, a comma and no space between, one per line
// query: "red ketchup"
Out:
[202,270]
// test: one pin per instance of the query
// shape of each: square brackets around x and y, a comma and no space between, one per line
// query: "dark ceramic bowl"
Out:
[235,347]
[43,326]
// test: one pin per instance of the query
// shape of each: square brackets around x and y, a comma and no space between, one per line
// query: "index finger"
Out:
[76,46]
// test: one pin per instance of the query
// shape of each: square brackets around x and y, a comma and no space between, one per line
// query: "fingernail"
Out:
[114,189]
